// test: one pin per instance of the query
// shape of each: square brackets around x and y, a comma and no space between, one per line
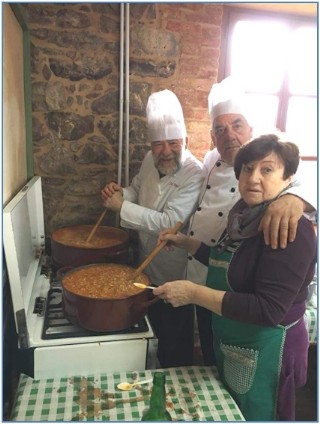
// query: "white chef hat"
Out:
[226,97]
[165,117]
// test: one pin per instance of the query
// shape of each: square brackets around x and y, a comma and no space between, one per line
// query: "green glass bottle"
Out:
[157,410]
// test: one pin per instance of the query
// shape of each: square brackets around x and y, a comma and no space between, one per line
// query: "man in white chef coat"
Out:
[165,191]
[230,130]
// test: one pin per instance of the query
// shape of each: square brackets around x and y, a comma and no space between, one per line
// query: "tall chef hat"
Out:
[165,117]
[226,97]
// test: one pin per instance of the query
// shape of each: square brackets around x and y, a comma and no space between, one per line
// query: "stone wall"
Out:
[75,91]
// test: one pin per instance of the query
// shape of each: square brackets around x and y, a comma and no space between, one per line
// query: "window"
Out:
[275,57]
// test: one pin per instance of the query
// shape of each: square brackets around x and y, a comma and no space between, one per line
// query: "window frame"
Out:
[231,15]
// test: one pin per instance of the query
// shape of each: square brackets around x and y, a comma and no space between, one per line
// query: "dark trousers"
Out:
[205,335]
[174,328]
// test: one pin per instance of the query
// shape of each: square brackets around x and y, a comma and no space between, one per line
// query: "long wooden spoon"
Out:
[155,251]
[94,229]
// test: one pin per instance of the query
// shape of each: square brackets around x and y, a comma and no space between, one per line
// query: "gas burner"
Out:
[54,298]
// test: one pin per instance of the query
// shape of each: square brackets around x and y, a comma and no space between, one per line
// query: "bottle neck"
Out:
[158,395]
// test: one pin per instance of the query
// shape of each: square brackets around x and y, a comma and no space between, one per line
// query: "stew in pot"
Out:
[104,281]
[104,237]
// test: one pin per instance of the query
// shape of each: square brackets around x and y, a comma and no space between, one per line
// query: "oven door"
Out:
[24,242]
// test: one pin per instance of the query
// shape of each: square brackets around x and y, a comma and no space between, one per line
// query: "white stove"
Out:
[58,348]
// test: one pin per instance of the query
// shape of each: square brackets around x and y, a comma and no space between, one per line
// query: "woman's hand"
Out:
[178,293]
[184,292]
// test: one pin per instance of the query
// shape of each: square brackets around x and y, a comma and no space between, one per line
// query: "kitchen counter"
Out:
[193,394]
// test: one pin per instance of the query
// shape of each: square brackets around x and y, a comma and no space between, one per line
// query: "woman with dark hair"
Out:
[256,294]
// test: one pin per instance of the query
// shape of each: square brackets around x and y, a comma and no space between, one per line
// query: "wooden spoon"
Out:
[94,229]
[155,251]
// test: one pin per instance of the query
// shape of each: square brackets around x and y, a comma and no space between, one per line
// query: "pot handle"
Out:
[152,301]
[110,256]
[147,303]
[141,307]
[63,271]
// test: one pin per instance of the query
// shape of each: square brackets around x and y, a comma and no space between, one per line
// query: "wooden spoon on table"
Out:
[94,229]
[155,251]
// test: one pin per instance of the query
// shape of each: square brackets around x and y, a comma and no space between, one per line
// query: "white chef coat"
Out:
[153,204]
[218,194]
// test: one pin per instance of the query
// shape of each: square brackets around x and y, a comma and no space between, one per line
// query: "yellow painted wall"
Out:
[14,134]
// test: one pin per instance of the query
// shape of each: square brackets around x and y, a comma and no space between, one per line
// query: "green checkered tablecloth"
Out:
[193,394]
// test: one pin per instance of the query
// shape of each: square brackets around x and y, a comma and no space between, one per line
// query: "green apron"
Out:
[248,356]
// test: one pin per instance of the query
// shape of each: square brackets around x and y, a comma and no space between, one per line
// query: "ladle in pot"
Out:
[143,286]
[155,251]
[94,229]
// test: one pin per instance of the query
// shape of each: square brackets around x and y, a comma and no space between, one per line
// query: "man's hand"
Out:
[280,220]
[110,189]
[114,203]
[179,240]
[112,196]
